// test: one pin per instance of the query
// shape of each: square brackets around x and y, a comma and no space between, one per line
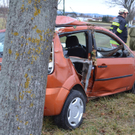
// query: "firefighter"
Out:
[119,25]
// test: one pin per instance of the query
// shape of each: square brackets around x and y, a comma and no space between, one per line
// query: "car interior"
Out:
[110,48]
[75,44]
[75,49]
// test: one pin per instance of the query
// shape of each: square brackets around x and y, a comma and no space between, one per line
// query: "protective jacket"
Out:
[119,27]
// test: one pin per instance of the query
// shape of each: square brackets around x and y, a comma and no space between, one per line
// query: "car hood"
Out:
[66,20]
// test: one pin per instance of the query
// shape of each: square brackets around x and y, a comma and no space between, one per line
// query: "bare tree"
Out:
[23,77]
[128,4]
[4,4]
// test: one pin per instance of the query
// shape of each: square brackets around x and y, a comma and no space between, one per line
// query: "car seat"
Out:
[75,49]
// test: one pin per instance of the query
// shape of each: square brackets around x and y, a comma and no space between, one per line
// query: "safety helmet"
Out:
[123,10]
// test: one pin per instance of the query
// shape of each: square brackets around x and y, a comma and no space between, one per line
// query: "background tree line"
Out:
[106,18]
[4,6]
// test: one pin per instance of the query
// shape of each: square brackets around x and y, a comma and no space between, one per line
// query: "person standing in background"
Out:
[119,25]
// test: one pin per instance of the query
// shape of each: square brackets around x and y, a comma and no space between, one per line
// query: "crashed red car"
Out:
[2,37]
[86,61]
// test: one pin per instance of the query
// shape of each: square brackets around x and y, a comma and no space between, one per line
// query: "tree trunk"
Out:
[23,78]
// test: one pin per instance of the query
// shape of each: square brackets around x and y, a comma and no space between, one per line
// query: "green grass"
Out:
[111,115]
[102,24]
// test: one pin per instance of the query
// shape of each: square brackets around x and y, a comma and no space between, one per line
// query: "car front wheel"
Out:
[72,113]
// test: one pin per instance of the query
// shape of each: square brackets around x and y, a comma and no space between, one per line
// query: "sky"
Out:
[89,6]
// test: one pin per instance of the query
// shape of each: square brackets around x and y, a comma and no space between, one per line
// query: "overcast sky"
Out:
[89,6]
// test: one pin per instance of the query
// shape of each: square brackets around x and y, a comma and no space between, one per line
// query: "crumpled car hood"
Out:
[66,20]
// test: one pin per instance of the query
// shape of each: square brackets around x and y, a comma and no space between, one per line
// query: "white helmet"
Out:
[123,10]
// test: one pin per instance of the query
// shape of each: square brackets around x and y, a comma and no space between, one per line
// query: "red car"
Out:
[86,61]
[2,37]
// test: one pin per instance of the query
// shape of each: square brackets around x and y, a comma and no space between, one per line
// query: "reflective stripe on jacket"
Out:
[113,42]
[119,27]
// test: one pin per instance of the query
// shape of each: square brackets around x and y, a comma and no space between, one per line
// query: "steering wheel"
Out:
[118,54]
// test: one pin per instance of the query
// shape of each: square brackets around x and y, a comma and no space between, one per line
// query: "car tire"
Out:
[71,115]
[133,89]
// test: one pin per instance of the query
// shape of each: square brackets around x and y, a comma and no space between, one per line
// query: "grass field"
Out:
[102,24]
[111,115]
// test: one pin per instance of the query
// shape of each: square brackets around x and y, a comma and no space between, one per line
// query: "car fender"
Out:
[54,100]
[56,97]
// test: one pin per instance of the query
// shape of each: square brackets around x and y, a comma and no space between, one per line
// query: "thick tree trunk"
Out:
[23,78]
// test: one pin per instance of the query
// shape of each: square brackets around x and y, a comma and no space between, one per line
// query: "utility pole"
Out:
[61,4]
[63,7]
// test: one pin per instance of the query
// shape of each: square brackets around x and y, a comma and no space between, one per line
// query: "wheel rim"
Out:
[75,111]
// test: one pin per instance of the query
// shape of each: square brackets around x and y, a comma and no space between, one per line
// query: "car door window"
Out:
[104,41]
[108,47]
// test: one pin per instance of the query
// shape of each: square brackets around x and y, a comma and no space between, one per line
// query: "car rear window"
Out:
[2,37]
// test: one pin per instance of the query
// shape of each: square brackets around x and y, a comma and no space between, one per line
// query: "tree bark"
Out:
[23,77]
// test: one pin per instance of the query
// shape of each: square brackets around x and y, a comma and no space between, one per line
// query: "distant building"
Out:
[86,19]
[72,14]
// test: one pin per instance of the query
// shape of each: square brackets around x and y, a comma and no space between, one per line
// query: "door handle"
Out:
[102,66]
